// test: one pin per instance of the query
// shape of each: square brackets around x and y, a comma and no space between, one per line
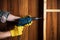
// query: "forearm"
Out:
[5,34]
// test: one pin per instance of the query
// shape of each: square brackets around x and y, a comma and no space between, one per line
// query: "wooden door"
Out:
[22,8]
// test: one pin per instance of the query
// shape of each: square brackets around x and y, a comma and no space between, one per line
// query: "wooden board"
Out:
[51,26]
[22,8]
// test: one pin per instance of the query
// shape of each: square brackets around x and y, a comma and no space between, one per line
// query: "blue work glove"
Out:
[24,21]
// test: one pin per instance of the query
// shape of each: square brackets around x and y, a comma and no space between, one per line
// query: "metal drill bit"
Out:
[36,18]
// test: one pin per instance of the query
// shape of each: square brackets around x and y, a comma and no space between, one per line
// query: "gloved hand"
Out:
[25,21]
[17,31]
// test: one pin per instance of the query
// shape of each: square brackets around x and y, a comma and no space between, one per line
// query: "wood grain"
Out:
[22,8]
[51,26]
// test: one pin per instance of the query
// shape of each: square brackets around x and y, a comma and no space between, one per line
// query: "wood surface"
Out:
[22,8]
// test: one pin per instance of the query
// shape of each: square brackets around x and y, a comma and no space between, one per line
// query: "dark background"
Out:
[40,22]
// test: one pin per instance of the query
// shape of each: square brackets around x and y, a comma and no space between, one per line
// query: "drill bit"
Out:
[36,18]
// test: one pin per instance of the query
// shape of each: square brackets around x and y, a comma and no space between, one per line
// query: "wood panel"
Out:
[22,8]
[33,11]
[23,11]
[58,4]
[18,8]
[14,7]
[51,31]
[58,26]
[51,4]
[0,4]
[48,26]
[4,7]
[51,25]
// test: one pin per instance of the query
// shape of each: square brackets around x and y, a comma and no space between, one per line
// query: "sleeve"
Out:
[16,31]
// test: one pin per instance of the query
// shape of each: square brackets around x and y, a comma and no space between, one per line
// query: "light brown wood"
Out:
[48,22]
[51,26]
[51,20]
[58,26]
[15,7]
[32,10]
[54,4]
[51,4]
[23,11]
[22,8]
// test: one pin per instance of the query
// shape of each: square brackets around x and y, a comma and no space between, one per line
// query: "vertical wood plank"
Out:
[32,10]
[54,4]
[58,4]
[14,7]
[48,23]
[23,11]
[8,5]
[1,4]
[58,26]
[54,15]
[51,27]
[51,4]
[4,7]
[23,7]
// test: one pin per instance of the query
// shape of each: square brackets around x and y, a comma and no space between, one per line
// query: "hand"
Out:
[12,17]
